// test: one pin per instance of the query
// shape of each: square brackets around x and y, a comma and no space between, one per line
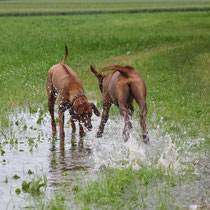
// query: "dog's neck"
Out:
[73,92]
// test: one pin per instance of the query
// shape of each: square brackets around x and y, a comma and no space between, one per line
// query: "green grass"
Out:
[121,189]
[98,5]
[173,61]
[33,187]
[182,98]
[118,189]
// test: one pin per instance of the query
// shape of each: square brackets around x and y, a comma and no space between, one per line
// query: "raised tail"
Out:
[126,70]
[66,55]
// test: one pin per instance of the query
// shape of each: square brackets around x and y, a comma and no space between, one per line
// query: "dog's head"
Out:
[100,77]
[83,113]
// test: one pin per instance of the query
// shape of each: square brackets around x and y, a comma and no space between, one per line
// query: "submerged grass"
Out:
[119,189]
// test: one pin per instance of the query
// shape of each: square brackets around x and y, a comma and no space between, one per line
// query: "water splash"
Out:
[169,157]
[111,151]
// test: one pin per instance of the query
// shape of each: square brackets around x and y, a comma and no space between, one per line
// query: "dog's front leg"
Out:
[81,130]
[61,122]
[73,126]
[51,103]
[104,118]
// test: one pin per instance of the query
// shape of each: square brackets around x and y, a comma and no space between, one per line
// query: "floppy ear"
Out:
[95,110]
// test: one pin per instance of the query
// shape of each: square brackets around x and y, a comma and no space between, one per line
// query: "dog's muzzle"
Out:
[89,126]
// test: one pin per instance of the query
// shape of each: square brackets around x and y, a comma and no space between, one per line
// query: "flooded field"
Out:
[28,150]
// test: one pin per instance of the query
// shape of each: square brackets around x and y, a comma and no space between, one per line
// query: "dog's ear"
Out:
[95,110]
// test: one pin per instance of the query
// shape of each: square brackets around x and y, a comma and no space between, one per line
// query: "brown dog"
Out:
[63,82]
[120,88]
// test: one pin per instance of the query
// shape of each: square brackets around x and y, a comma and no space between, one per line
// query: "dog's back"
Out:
[62,78]
[124,81]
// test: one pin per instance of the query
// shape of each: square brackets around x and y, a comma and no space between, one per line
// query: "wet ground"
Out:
[28,146]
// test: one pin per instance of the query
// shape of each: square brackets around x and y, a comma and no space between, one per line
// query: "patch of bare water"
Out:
[29,146]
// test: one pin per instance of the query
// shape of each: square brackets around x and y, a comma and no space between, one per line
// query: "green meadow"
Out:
[169,49]
[171,52]
[49,6]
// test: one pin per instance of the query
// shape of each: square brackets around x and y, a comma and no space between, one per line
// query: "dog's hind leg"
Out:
[126,109]
[143,108]
[127,117]
[131,110]
[143,111]
[139,93]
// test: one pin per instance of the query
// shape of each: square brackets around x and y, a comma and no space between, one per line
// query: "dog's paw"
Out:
[130,126]
[99,135]
[126,136]
[145,138]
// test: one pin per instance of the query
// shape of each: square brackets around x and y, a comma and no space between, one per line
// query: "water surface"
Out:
[29,145]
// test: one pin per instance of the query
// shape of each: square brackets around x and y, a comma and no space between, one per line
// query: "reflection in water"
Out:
[65,157]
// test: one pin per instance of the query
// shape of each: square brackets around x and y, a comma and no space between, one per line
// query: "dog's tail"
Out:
[66,55]
[126,70]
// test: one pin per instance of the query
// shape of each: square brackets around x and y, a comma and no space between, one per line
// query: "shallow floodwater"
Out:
[28,145]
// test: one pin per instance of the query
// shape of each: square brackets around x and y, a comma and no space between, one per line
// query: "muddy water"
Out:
[30,146]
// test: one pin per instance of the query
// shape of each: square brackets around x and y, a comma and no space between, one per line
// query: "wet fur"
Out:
[62,81]
[120,87]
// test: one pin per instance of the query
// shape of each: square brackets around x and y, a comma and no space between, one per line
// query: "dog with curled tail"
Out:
[63,82]
[120,87]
